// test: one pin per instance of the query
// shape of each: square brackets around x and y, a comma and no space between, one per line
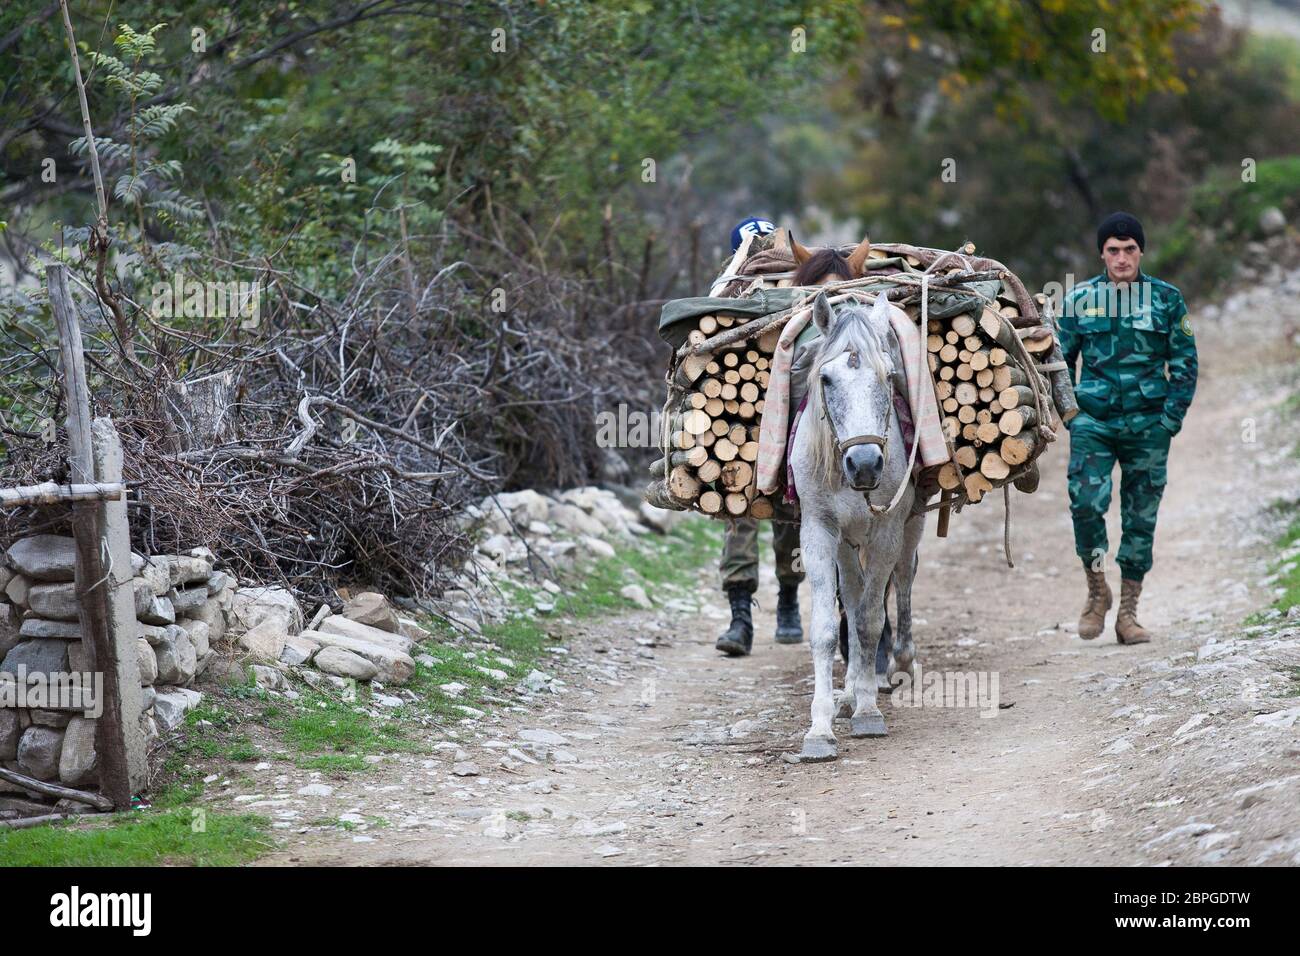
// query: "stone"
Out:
[186,600]
[148,662]
[268,677]
[185,569]
[394,667]
[210,614]
[373,609]
[198,633]
[599,548]
[147,695]
[10,731]
[176,658]
[16,590]
[344,627]
[344,663]
[542,736]
[58,602]
[298,649]
[171,706]
[316,790]
[465,768]
[1272,221]
[252,606]
[44,557]
[9,629]
[40,656]
[157,611]
[40,627]
[453,689]
[38,752]
[78,761]
[155,576]
[636,594]
[219,581]
[49,718]
[574,520]
[264,641]
[535,682]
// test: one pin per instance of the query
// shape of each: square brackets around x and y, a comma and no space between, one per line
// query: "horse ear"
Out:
[823,315]
[801,254]
[880,311]
[858,257]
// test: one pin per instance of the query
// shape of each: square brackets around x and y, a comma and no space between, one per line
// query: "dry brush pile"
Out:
[338,441]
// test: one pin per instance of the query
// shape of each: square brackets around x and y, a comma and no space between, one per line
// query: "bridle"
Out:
[846,444]
[883,440]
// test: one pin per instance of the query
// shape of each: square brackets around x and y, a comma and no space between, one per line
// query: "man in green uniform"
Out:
[1130,328]
[739,573]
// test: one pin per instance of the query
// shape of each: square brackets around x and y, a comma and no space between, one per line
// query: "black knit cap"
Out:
[1121,225]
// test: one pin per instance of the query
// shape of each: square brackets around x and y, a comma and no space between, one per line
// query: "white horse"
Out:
[849,465]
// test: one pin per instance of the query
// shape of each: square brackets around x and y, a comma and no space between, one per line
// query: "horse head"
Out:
[851,386]
[820,266]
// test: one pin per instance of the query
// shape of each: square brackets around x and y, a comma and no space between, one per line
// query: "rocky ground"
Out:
[638,744]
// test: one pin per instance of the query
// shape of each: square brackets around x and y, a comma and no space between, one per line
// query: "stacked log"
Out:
[986,396]
[711,438]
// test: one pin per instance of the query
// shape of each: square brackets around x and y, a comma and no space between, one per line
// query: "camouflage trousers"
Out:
[1142,454]
[740,553]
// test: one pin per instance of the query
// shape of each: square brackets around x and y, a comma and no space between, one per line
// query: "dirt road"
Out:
[1184,750]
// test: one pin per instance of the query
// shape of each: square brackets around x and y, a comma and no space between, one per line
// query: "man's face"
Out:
[1122,258]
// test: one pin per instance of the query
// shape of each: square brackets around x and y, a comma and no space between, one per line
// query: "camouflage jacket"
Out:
[1127,337]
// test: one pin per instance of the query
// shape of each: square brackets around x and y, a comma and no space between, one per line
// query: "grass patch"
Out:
[593,589]
[336,735]
[144,838]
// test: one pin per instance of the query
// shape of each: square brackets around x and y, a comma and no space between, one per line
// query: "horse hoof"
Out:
[818,749]
[845,707]
[868,725]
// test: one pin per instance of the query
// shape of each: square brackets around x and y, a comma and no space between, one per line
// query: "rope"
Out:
[1006,523]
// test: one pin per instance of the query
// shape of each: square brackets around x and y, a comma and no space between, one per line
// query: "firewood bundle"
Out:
[712,432]
[987,399]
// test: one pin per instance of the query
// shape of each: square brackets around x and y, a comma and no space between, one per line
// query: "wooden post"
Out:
[104,591]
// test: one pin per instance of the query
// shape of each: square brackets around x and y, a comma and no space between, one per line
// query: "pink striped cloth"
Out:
[933,449]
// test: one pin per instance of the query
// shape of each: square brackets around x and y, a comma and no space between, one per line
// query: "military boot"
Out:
[1093,619]
[738,639]
[1127,629]
[789,629]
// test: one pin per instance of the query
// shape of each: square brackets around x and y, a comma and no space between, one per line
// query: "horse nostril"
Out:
[863,465]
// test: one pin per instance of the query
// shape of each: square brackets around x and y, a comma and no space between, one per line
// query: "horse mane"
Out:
[852,330]
[822,263]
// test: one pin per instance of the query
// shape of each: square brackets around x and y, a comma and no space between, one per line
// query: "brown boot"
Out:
[1093,619]
[1127,629]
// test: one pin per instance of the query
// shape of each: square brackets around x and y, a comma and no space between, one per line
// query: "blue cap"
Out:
[753,226]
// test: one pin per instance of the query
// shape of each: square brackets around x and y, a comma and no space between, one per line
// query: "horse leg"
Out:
[884,649]
[904,656]
[849,594]
[866,606]
[817,547]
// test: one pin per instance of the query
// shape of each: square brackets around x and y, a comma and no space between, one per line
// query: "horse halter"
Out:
[881,440]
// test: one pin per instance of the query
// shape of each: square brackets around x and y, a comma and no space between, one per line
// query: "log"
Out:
[728,392]
[714,407]
[747,410]
[710,502]
[1027,483]
[1015,420]
[1007,375]
[683,439]
[95,800]
[707,439]
[749,451]
[966,414]
[719,427]
[696,422]
[737,435]
[683,485]
[1019,449]
[1015,396]
[708,324]
[964,324]
[966,394]
[736,475]
[709,471]
[988,433]
[948,353]
[736,503]
[761,508]
[724,450]
[690,369]
[948,477]
[49,493]
[993,467]
[731,407]
[711,388]
[976,486]
[749,392]
[966,457]
[979,360]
